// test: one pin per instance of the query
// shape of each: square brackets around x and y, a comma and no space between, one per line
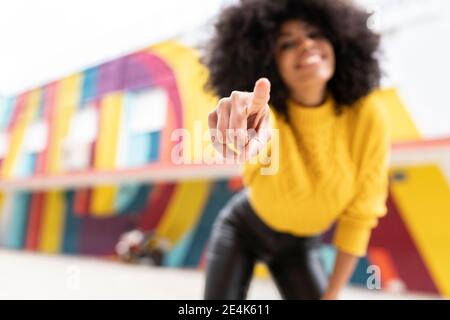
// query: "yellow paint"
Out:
[184,209]
[67,100]
[70,89]
[191,76]
[18,133]
[52,222]
[102,201]
[401,124]
[103,197]
[424,202]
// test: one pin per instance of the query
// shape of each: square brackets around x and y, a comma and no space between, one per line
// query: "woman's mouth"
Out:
[310,60]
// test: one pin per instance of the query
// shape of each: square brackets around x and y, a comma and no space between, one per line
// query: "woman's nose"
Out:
[306,44]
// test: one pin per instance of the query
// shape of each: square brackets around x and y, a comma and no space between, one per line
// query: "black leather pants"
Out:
[240,238]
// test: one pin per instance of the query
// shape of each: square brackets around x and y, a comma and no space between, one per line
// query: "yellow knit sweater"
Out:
[331,168]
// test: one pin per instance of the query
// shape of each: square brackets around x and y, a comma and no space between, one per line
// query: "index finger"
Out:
[261,96]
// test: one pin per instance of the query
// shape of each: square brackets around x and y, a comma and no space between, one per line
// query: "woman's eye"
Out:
[287,45]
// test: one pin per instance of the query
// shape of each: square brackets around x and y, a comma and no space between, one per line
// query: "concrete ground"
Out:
[25,275]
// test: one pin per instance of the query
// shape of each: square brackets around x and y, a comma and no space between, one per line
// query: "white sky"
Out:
[42,40]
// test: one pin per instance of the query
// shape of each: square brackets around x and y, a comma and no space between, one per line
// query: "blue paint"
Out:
[155,138]
[72,226]
[176,257]
[328,255]
[17,228]
[89,86]
[219,196]
[139,150]
[132,198]
[26,165]
[6,111]
[360,274]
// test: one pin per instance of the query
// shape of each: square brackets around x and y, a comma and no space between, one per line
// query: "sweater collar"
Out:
[304,115]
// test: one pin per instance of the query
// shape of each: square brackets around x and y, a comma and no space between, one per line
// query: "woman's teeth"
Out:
[311,60]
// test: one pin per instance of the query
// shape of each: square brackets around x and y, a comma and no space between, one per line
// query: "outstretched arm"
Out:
[343,268]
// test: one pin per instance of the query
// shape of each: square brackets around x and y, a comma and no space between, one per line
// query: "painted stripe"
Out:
[423,196]
[158,201]
[132,198]
[382,258]
[140,148]
[18,109]
[99,236]
[26,165]
[51,238]
[16,233]
[219,196]
[81,202]
[184,209]
[6,110]
[18,130]
[26,162]
[67,100]
[136,77]
[103,198]
[153,155]
[361,274]
[392,234]
[176,256]
[89,86]
[72,226]
[35,221]
[110,77]
[401,123]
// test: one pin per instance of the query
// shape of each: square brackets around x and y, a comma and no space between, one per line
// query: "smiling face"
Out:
[304,56]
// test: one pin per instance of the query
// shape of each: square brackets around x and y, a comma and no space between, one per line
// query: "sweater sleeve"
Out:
[372,145]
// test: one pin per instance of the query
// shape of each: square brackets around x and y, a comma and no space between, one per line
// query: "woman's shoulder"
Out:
[371,109]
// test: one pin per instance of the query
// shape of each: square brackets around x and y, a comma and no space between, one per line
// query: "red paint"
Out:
[443,142]
[157,204]
[82,199]
[381,257]
[235,184]
[35,221]
[392,235]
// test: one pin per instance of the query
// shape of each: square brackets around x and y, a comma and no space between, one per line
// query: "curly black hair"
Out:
[237,55]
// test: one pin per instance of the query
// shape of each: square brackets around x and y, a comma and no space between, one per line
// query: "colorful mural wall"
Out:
[121,115]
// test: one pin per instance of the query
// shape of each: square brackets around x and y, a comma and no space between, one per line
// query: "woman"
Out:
[317,69]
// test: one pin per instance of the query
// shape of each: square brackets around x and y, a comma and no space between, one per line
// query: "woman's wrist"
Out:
[330,295]
[343,268]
